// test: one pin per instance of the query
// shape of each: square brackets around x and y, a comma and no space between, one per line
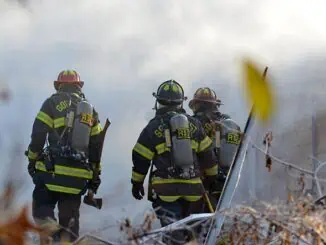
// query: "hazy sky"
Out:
[124,49]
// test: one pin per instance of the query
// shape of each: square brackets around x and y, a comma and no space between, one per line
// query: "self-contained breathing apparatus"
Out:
[226,142]
[178,140]
[73,142]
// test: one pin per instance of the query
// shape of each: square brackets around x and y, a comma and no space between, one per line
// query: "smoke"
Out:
[125,49]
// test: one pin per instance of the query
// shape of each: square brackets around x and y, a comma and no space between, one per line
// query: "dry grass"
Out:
[294,222]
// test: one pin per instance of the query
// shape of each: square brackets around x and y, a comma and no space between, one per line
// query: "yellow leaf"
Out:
[259,92]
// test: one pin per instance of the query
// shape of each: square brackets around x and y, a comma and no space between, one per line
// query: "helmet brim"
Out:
[57,83]
[167,102]
[193,101]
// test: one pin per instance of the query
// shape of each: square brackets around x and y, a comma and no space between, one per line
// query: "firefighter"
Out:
[221,129]
[62,171]
[175,148]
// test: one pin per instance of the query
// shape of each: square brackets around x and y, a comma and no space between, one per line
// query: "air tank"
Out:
[182,154]
[230,139]
[82,126]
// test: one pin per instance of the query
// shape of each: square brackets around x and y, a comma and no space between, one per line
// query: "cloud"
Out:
[125,49]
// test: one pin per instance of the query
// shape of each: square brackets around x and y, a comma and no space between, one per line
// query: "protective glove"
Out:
[32,172]
[138,191]
[216,187]
[208,181]
[31,168]
[222,174]
[94,184]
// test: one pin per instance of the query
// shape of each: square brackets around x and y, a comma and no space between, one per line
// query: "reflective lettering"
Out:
[183,133]
[233,138]
[62,105]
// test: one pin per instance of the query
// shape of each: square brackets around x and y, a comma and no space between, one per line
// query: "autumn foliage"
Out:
[13,229]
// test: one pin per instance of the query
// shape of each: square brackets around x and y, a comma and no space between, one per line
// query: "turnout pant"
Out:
[44,202]
[169,212]
[202,207]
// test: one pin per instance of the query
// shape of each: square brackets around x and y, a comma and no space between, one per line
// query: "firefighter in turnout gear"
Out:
[62,170]
[222,130]
[175,148]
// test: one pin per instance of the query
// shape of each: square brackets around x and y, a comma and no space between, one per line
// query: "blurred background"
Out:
[124,49]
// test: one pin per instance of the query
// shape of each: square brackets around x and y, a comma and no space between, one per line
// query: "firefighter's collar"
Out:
[169,109]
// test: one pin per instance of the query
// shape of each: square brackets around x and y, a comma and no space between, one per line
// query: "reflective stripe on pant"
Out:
[67,171]
[69,177]
[170,190]
[44,202]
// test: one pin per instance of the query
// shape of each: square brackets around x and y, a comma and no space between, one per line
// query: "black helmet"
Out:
[170,93]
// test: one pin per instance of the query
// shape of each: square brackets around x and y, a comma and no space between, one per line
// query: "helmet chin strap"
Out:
[62,86]
[160,106]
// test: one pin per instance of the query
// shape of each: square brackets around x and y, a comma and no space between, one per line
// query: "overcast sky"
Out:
[123,50]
